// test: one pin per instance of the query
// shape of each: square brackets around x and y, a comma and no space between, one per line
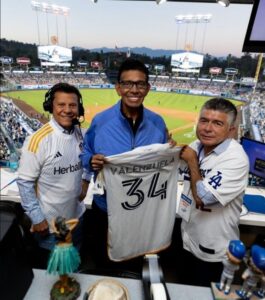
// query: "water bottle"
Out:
[13,162]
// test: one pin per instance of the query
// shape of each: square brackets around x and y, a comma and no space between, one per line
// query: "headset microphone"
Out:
[75,121]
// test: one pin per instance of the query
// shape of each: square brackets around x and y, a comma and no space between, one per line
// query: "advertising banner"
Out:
[23,60]
[185,70]
[52,64]
[159,67]
[231,71]
[96,64]
[82,63]
[215,71]
[6,60]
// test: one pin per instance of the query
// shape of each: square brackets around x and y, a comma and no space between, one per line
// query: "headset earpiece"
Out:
[81,110]
[47,104]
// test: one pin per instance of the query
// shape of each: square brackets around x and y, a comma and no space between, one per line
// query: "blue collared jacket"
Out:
[110,133]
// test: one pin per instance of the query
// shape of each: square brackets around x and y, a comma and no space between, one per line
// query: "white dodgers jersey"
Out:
[207,232]
[141,188]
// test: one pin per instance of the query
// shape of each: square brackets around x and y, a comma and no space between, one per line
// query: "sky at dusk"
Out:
[110,23]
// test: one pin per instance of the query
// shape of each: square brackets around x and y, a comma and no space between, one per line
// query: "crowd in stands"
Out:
[4,150]
[207,86]
[167,83]
[51,78]
[257,112]
[15,125]
[199,84]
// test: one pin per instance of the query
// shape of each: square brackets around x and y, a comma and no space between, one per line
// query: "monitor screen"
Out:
[255,35]
[256,153]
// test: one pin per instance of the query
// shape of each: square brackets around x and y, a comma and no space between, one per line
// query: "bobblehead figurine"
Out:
[254,273]
[64,259]
[234,255]
[260,293]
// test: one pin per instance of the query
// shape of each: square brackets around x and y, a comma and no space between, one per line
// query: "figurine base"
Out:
[72,292]
[220,295]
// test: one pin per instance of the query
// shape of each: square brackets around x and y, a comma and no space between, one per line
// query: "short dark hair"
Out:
[222,105]
[64,87]
[133,64]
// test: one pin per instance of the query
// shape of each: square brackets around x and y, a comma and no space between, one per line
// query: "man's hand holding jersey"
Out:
[97,162]
[190,157]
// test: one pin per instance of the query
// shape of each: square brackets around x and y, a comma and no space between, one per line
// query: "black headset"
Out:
[63,87]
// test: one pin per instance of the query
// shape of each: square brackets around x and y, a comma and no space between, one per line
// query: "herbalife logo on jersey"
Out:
[66,170]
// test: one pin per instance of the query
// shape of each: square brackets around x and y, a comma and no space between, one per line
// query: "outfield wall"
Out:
[196,92]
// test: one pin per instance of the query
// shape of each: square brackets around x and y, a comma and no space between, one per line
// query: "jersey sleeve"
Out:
[228,178]
[31,162]
[29,170]
[88,147]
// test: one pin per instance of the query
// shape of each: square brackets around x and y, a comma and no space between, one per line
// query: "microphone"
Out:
[75,121]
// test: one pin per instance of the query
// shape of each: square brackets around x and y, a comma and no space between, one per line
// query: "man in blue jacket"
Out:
[122,127]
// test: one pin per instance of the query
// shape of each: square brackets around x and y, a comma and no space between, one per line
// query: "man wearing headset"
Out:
[50,172]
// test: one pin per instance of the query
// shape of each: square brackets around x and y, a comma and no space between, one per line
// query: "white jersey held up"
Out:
[141,188]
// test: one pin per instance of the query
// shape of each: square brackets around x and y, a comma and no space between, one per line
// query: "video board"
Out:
[255,35]
[54,53]
[187,60]
[255,151]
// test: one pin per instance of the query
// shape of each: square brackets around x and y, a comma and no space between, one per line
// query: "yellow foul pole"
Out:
[258,67]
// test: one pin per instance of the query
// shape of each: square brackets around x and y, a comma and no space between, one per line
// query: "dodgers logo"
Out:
[215,181]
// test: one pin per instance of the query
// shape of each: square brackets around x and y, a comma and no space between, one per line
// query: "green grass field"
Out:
[172,107]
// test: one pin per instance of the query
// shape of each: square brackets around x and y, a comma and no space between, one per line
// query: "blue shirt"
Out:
[110,133]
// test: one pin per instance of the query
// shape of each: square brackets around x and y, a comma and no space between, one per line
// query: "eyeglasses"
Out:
[141,85]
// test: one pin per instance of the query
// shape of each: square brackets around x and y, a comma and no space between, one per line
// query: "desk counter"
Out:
[9,192]
[42,283]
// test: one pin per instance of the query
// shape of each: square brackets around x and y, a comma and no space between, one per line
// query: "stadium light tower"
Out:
[36,6]
[223,3]
[192,19]
[65,11]
[50,9]
[160,1]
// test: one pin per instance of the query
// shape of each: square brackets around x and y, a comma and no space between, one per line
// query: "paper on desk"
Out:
[94,188]
[244,210]
[8,183]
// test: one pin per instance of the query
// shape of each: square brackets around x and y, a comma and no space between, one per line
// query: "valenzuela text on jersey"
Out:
[158,165]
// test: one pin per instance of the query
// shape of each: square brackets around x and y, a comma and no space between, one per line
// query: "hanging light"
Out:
[160,1]
[224,3]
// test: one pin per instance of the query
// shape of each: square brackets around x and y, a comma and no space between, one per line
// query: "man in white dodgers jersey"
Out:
[215,179]
[50,172]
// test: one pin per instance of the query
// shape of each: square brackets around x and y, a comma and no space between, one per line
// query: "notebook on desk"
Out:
[254,203]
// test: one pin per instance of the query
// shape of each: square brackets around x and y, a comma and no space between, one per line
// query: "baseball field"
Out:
[179,111]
